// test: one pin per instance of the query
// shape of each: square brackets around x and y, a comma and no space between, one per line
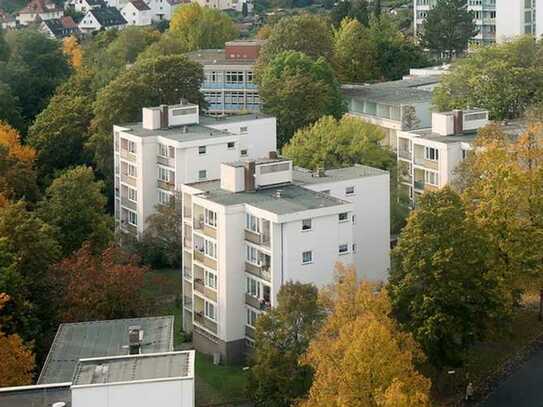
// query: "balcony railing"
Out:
[199,285]
[210,231]
[127,179]
[434,165]
[257,238]
[205,260]
[250,332]
[262,272]
[257,302]
[168,186]
[168,162]
[200,319]
[129,204]
[127,155]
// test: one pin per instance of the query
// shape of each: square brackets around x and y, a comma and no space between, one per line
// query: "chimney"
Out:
[458,123]
[164,116]
[320,172]
[135,337]
[273,155]
[183,102]
[250,167]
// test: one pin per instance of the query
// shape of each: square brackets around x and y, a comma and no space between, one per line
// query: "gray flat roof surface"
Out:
[305,176]
[134,368]
[210,121]
[101,338]
[193,132]
[393,92]
[36,397]
[294,198]
[216,57]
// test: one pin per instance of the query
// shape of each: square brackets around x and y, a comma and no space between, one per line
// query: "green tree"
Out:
[505,79]
[35,67]
[10,111]
[354,52]
[298,91]
[59,134]
[441,286]
[448,27]
[202,27]
[74,205]
[308,34]
[276,378]
[4,48]
[356,9]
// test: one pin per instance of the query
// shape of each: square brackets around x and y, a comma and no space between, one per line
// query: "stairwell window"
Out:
[343,248]
[306,225]
[307,257]
[202,150]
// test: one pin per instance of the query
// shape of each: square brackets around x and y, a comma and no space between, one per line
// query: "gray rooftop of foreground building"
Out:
[293,198]
[216,57]
[36,396]
[305,176]
[75,341]
[215,121]
[189,132]
[134,368]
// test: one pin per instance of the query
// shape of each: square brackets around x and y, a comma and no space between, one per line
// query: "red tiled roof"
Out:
[40,6]
[68,22]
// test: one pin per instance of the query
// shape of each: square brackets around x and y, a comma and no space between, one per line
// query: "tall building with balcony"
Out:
[263,223]
[229,86]
[172,146]
[484,16]
[518,17]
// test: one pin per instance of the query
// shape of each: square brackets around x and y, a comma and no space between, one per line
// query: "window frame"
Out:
[310,252]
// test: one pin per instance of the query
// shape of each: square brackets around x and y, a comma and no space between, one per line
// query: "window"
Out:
[431,153]
[133,218]
[164,197]
[184,111]
[343,248]
[251,317]
[202,174]
[230,145]
[210,218]
[353,218]
[210,249]
[210,311]
[252,254]
[132,170]
[343,216]
[306,224]
[267,169]
[201,150]
[349,191]
[243,129]
[253,287]
[163,174]
[162,150]
[234,77]
[132,147]
[252,223]
[355,248]
[132,195]
[243,153]
[210,279]
[431,178]
[307,257]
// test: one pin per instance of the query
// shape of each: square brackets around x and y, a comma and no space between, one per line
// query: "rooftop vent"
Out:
[135,339]
[273,155]
[277,194]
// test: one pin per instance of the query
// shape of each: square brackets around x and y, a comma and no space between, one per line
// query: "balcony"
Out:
[402,153]
[205,260]
[129,204]
[201,320]
[199,285]
[127,179]
[167,162]
[127,155]
[257,238]
[262,272]
[167,186]
[434,165]
[250,332]
[210,231]
[257,302]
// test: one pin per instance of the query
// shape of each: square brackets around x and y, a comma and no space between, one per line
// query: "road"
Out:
[524,388]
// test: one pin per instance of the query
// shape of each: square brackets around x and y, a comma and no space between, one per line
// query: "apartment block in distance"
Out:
[229,85]
[518,17]
[173,146]
[263,223]
[485,18]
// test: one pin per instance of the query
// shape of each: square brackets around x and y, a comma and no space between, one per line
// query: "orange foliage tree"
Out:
[16,359]
[73,50]
[104,286]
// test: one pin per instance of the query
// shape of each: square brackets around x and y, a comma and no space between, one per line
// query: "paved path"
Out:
[524,388]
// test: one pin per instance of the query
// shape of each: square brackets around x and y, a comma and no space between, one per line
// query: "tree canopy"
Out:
[298,91]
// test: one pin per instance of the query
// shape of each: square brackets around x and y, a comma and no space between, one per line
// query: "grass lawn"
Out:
[214,384]
[488,360]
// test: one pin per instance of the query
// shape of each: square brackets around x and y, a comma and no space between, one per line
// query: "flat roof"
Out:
[293,198]
[239,118]
[394,92]
[35,396]
[190,132]
[216,57]
[75,341]
[306,176]
[134,368]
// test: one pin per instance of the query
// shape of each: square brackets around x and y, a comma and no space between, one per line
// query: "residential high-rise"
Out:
[518,17]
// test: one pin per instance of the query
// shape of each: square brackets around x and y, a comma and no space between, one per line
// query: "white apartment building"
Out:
[263,223]
[518,17]
[173,146]
[485,17]
[137,12]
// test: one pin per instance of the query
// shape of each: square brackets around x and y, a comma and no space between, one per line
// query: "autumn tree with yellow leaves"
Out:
[360,356]
[16,359]
[72,49]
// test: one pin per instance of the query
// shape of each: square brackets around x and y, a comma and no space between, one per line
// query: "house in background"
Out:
[7,21]
[164,9]
[137,12]
[39,10]
[60,27]
[82,6]
[105,18]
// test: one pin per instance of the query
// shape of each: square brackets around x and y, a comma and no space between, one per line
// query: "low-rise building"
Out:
[229,85]
[82,6]
[59,27]
[164,9]
[173,146]
[263,223]
[102,18]
[226,4]
[137,12]
[39,10]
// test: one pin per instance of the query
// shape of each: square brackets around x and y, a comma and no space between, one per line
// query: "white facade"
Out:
[106,18]
[263,224]
[39,10]
[485,17]
[136,16]
[82,6]
[151,163]
[518,17]
[428,158]
[162,9]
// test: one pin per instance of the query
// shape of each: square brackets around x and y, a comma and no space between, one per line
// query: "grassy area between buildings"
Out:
[215,385]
